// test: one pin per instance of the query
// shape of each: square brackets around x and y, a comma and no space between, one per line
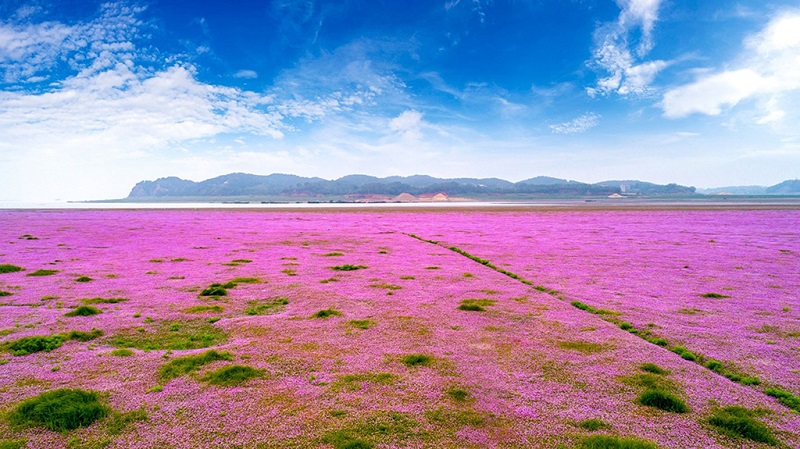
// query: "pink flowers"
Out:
[531,366]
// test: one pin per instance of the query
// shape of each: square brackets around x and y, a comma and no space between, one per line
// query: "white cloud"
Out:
[626,74]
[246,74]
[576,126]
[766,71]
[407,124]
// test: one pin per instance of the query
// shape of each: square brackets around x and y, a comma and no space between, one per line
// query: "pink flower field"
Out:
[400,329]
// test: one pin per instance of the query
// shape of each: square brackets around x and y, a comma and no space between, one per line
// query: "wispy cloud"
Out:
[246,74]
[767,70]
[576,126]
[625,71]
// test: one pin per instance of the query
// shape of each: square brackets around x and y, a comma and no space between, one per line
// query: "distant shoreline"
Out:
[694,203]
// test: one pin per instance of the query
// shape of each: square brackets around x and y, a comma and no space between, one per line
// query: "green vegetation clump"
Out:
[84,336]
[267,306]
[183,365]
[243,280]
[5,293]
[458,394]
[614,442]
[99,300]
[204,309]
[593,424]
[122,353]
[784,397]
[653,368]
[325,313]
[241,261]
[12,444]
[117,422]
[348,267]
[215,289]
[361,324]
[714,295]
[417,360]
[353,382]
[84,279]
[475,305]
[84,311]
[232,375]
[684,353]
[43,273]
[60,410]
[741,422]
[333,254]
[30,345]
[6,268]
[590,309]
[663,400]
[191,334]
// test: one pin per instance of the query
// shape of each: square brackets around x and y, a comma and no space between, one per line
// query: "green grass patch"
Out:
[241,261]
[326,313]
[584,347]
[417,360]
[740,422]
[6,268]
[245,280]
[99,300]
[191,334]
[204,309]
[333,254]
[43,273]
[458,394]
[653,368]
[784,397]
[84,311]
[386,286]
[12,444]
[329,280]
[360,324]
[117,422]
[232,375]
[215,289]
[348,267]
[84,336]
[122,353]
[663,400]
[407,278]
[179,366]
[392,428]
[476,304]
[84,279]
[684,353]
[714,295]
[5,293]
[590,309]
[267,306]
[593,424]
[454,418]
[30,345]
[615,442]
[60,410]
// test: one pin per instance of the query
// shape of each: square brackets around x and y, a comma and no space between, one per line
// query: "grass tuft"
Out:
[5,293]
[475,305]
[360,324]
[459,395]
[417,360]
[60,410]
[267,306]
[179,366]
[30,345]
[614,442]
[653,368]
[215,289]
[348,267]
[103,300]
[593,424]
[232,375]
[784,397]
[122,353]
[204,309]
[326,313]
[84,311]
[191,334]
[84,336]
[583,346]
[6,268]
[740,422]
[43,273]
[84,279]
[663,400]
[714,295]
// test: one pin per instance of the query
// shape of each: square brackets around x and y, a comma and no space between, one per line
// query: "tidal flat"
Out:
[384,328]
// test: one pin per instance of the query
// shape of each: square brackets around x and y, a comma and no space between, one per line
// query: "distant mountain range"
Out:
[789,187]
[370,187]
[353,187]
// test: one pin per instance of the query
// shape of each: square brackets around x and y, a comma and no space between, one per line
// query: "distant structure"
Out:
[441,196]
[405,198]
[615,196]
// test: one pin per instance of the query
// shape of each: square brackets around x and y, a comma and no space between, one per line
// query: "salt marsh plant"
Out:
[476,305]
[180,366]
[84,311]
[232,375]
[326,313]
[42,273]
[348,267]
[266,306]
[417,360]
[740,422]
[6,268]
[60,410]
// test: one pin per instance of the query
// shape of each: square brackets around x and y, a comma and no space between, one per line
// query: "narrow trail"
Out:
[783,397]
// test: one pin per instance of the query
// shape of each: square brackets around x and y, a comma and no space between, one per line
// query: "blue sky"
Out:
[96,96]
